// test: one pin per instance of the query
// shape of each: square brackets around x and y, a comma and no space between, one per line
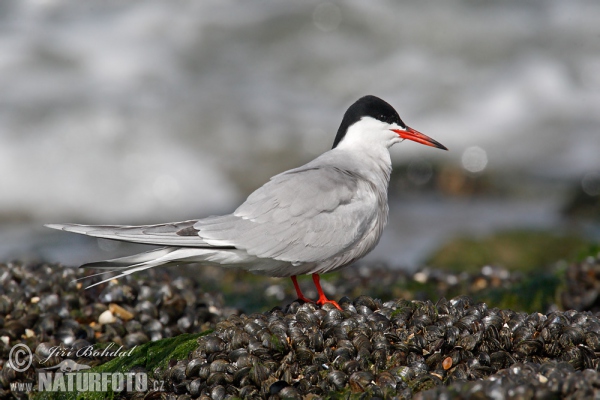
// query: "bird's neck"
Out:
[381,166]
[373,163]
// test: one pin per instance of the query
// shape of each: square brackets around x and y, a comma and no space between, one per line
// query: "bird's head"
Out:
[371,121]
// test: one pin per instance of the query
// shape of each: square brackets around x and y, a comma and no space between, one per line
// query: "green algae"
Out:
[515,250]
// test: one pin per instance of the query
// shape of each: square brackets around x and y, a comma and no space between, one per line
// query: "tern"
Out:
[313,219]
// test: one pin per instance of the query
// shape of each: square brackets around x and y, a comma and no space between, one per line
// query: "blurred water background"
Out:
[155,111]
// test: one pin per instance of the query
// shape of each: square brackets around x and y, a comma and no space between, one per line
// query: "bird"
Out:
[312,219]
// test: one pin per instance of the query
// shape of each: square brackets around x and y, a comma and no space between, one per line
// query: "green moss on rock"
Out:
[515,250]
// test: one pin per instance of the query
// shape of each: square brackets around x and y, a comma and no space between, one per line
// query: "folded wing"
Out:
[180,234]
[300,216]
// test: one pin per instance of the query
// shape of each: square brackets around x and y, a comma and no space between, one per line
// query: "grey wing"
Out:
[303,215]
[170,234]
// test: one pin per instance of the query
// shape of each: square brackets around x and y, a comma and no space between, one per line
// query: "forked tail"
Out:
[128,265]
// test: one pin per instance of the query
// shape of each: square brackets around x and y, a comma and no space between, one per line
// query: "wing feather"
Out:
[161,234]
[303,215]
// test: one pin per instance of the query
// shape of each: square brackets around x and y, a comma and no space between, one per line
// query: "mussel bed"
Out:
[399,348]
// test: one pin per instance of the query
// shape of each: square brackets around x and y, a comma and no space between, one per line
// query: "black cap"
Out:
[367,106]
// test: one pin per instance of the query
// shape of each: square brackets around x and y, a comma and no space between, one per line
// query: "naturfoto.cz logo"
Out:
[69,376]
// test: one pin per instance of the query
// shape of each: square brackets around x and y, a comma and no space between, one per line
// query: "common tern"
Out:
[313,219]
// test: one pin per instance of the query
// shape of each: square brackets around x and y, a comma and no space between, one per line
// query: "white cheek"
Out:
[370,133]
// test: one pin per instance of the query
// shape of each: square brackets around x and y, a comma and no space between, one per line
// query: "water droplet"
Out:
[591,183]
[474,159]
[327,17]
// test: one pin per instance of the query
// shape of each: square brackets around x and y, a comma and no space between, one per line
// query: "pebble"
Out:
[120,312]
[106,317]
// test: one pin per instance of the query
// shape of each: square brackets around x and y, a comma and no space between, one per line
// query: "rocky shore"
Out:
[391,347]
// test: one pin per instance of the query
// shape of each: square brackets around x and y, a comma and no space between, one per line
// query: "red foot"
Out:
[299,292]
[322,298]
[335,304]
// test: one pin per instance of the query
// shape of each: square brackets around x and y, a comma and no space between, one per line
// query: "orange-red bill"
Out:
[418,137]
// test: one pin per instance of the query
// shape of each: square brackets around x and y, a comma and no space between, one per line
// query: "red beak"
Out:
[418,137]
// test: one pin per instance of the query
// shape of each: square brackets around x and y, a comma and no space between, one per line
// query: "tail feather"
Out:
[169,255]
[124,272]
[117,264]
[94,275]
[128,265]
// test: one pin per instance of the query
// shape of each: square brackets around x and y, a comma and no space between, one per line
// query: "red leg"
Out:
[299,292]
[322,298]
